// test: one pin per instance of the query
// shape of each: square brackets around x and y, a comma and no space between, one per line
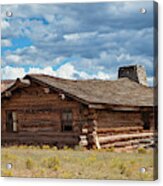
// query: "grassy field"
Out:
[67,163]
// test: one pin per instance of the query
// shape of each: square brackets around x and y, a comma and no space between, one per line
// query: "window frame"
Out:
[11,121]
[66,120]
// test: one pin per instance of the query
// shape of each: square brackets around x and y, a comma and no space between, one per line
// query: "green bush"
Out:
[51,163]
[66,148]
[7,173]
[29,163]
[54,148]
[10,157]
[110,149]
[142,150]
[79,148]
[45,147]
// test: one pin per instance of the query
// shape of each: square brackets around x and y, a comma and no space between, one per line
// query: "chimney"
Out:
[136,73]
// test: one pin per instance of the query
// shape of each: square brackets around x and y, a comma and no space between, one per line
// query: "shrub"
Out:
[7,173]
[142,150]
[66,148]
[39,173]
[29,163]
[110,149]
[10,157]
[54,148]
[45,147]
[67,175]
[37,147]
[79,148]
[23,147]
[51,163]
[122,167]
[31,147]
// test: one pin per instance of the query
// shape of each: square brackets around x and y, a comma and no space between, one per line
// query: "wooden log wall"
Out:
[125,130]
[110,119]
[40,111]
[39,121]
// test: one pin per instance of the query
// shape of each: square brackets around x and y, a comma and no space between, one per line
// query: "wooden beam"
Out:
[8,94]
[97,106]
[125,108]
[23,82]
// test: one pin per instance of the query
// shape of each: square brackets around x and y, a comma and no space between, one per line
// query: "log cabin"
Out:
[41,109]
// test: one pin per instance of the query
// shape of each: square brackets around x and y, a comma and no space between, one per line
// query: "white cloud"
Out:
[77,36]
[59,32]
[4,24]
[47,70]
[66,71]
[102,75]
[6,43]
[12,72]
[150,81]
[13,58]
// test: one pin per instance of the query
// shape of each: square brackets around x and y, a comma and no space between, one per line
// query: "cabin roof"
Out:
[122,91]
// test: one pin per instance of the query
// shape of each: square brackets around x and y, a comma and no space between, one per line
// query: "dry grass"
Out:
[67,163]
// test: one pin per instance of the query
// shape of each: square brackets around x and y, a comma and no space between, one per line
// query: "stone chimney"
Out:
[136,73]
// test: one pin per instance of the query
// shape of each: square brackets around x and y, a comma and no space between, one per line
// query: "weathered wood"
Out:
[40,138]
[108,119]
[124,137]
[121,130]
[39,116]
[39,109]
[8,94]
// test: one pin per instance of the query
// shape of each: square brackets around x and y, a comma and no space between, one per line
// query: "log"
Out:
[119,129]
[124,137]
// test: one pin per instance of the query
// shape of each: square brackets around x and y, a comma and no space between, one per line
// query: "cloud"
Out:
[66,71]
[12,72]
[150,81]
[4,23]
[6,43]
[90,40]
[13,58]
[78,36]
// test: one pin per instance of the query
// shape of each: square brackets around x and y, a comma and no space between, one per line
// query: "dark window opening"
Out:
[67,121]
[11,121]
[146,124]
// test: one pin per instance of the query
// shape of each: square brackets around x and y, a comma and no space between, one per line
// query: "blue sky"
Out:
[77,41]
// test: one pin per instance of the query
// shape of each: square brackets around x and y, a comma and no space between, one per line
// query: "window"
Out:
[145,117]
[11,122]
[67,121]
